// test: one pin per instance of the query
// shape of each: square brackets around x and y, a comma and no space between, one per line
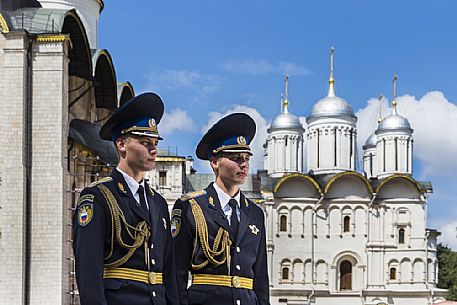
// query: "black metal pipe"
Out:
[28,174]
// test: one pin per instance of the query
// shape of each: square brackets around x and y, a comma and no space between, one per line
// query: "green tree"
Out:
[447,276]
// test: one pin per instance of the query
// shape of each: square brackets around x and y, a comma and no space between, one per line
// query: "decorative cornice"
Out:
[170,159]
[51,38]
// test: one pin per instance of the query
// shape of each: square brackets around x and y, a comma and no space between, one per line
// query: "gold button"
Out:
[236,282]
[238,302]
[238,249]
[153,261]
[154,294]
[152,246]
[238,267]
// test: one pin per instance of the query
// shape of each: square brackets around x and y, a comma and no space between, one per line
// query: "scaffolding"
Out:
[84,168]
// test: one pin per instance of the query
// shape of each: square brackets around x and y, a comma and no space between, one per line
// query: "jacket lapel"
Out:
[245,217]
[124,191]
[215,209]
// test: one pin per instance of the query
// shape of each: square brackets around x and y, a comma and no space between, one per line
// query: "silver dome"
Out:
[331,106]
[286,121]
[394,122]
[371,141]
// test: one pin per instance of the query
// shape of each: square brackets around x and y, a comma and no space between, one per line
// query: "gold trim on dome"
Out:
[4,25]
[402,176]
[287,177]
[337,176]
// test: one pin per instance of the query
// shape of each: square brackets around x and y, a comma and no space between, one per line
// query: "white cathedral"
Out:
[335,236]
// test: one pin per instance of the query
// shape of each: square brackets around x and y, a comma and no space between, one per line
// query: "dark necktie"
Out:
[143,204]
[234,223]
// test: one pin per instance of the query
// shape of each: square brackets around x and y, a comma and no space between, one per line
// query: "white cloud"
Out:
[434,120]
[190,80]
[262,66]
[261,132]
[449,235]
[177,119]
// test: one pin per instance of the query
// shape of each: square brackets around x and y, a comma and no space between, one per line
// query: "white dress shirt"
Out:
[133,186]
[224,198]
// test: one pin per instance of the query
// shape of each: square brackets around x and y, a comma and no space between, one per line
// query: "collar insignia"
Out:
[211,200]
[246,202]
[121,187]
[254,229]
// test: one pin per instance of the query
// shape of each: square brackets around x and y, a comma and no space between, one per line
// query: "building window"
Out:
[401,236]
[283,223]
[345,275]
[162,178]
[346,222]
[396,154]
[285,273]
[393,273]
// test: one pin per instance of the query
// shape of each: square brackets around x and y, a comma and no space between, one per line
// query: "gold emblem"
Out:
[254,229]
[246,202]
[152,123]
[241,140]
[236,282]
[211,200]
[121,187]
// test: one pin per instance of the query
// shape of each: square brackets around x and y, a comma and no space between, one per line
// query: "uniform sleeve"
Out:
[89,221]
[261,284]
[169,270]
[183,243]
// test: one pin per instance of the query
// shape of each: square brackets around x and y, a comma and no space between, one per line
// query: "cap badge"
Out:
[152,123]
[241,140]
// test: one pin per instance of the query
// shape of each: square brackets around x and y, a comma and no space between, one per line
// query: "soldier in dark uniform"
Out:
[122,239]
[219,234]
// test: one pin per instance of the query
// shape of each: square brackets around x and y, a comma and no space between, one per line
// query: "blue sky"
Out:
[206,58]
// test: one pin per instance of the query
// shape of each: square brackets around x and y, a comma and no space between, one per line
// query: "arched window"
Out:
[283,223]
[401,236]
[393,273]
[345,275]
[346,222]
[285,273]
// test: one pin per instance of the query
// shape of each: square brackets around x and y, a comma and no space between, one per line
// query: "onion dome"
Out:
[286,120]
[394,121]
[371,141]
[331,105]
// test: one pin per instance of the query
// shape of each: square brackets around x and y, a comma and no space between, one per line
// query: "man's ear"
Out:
[120,145]
[213,162]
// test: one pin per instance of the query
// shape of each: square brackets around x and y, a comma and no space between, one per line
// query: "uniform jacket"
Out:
[92,241]
[248,252]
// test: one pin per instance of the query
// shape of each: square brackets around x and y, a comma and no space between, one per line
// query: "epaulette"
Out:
[103,180]
[192,195]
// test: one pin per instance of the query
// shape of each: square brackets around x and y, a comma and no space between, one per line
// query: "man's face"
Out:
[138,152]
[231,168]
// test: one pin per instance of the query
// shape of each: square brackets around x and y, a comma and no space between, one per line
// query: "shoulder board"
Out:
[103,180]
[192,195]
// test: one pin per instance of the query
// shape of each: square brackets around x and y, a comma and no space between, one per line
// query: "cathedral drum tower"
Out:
[284,145]
[332,133]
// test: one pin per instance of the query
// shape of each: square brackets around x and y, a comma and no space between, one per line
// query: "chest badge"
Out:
[164,223]
[254,229]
